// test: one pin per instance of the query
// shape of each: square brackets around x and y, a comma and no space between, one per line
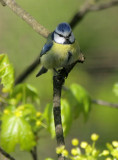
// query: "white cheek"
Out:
[59,39]
[71,38]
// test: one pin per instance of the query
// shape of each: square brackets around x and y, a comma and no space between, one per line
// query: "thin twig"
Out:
[87,7]
[34,153]
[104,103]
[104,5]
[6,154]
[2,2]
[26,17]
[98,101]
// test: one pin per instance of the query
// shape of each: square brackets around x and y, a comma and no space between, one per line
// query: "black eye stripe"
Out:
[62,35]
[69,34]
[58,34]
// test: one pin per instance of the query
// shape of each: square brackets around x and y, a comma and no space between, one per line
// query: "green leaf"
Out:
[6,73]
[28,110]
[48,115]
[79,100]
[15,130]
[49,159]
[65,115]
[29,114]
[115,89]
[25,93]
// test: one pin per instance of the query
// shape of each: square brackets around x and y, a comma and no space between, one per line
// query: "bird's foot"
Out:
[61,73]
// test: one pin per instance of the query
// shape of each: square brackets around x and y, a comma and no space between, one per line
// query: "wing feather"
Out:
[46,48]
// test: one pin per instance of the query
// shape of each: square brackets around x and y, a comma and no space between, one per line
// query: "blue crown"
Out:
[62,27]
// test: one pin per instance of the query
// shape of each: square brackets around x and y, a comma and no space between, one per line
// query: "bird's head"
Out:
[63,34]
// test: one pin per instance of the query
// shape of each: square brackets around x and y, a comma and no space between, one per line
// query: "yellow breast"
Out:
[58,55]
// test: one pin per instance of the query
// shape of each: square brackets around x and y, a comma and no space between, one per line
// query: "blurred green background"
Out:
[97,35]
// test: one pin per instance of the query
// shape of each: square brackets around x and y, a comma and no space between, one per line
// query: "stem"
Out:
[34,153]
[104,103]
[57,86]
[6,154]
[58,81]
[88,7]
[24,95]
[2,2]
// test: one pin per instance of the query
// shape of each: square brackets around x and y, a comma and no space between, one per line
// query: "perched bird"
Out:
[60,50]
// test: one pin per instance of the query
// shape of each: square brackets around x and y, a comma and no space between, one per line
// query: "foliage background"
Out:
[98,38]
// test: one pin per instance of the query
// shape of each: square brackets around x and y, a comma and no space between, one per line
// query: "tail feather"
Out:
[42,71]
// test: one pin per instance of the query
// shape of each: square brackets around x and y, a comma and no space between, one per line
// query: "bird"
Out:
[60,50]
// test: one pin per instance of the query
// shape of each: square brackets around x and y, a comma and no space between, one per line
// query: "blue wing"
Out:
[46,48]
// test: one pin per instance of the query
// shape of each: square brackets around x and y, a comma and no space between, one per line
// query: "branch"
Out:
[34,24]
[27,71]
[87,7]
[58,81]
[26,17]
[6,154]
[104,103]
[57,86]
[2,2]
[34,153]
[99,102]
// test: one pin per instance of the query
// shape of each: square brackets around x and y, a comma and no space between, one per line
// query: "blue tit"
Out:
[60,50]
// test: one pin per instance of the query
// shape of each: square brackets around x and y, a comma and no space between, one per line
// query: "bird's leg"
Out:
[61,73]
[58,75]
